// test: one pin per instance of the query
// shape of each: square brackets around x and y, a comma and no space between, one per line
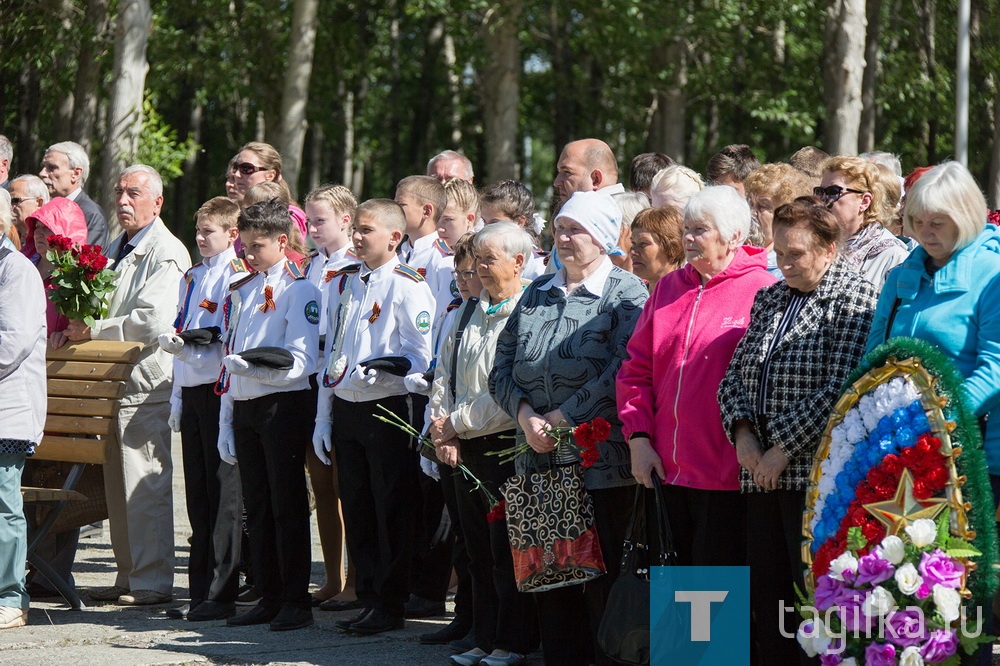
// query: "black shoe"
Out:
[456,629]
[210,610]
[291,617]
[345,625]
[181,612]
[257,615]
[462,644]
[338,606]
[418,606]
[377,622]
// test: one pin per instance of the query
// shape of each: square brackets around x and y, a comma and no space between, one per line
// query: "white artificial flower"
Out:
[878,602]
[814,636]
[850,661]
[911,657]
[869,412]
[922,532]
[845,562]
[908,580]
[948,602]
[891,549]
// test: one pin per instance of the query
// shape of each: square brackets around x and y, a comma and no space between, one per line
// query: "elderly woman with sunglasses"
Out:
[850,190]
[806,334]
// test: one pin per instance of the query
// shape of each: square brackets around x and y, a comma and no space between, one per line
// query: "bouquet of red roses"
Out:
[80,281]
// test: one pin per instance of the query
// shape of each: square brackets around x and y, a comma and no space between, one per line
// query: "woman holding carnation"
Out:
[59,217]
[555,366]
[806,335]
[947,292]
[466,425]
[677,356]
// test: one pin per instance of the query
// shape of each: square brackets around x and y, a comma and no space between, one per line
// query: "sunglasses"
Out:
[830,194]
[247,169]
[17,201]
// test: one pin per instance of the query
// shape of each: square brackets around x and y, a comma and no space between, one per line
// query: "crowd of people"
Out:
[711,321]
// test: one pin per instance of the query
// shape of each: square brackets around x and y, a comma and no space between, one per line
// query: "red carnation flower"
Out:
[589,457]
[601,429]
[993,217]
[584,435]
[59,243]
[498,512]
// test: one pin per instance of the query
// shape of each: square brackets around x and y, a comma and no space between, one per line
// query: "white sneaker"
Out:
[470,658]
[502,658]
[13,617]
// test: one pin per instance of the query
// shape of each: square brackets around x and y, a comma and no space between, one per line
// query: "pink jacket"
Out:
[679,353]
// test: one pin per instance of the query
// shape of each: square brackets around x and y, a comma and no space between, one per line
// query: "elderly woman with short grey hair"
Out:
[9,233]
[678,356]
[556,362]
[22,413]
[468,426]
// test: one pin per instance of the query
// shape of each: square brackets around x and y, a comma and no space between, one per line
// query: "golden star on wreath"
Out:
[904,508]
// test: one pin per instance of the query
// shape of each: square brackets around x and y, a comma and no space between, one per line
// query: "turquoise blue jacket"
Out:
[958,310]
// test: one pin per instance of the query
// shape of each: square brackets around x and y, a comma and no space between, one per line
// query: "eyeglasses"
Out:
[17,201]
[831,194]
[464,276]
[248,169]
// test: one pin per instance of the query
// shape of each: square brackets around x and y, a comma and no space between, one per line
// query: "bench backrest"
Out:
[86,381]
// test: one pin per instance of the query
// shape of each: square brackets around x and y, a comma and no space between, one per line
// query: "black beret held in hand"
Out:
[269,357]
[201,336]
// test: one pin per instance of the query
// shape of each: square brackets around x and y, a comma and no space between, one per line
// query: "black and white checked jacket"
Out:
[807,370]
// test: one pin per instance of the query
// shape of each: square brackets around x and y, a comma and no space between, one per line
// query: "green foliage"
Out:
[159,146]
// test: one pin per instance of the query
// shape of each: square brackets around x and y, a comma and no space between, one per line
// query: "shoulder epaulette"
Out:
[238,265]
[455,304]
[293,270]
[350,268]
[242,281]
[541,253]
[443,247]
[189,273]
[408,271]
[351,254]
[314,253]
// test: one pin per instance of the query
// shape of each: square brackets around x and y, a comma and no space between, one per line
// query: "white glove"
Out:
[416,383]
[170,343]
[361,380]
[227,444]
[430,468]
[174,420]
[322,440]
[237,365]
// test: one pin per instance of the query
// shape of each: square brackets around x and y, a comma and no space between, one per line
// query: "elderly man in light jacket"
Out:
[149,261]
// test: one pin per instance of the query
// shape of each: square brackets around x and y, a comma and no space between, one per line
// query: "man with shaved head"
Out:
[584,166]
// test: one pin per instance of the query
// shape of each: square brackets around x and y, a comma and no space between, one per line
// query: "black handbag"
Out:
[624,631]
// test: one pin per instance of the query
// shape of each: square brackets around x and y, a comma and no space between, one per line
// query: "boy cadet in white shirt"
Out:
[271,342]
[329,214]
[214,496]
[380,308]
[423,200]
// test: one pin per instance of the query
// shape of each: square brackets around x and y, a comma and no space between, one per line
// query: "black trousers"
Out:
[708,526]
[377,468]
[271,438]
[505,619]
[570,636]
[214,499]
[459,552]
[774,553]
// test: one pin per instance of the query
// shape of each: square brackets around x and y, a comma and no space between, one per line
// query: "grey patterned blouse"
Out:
[563,351]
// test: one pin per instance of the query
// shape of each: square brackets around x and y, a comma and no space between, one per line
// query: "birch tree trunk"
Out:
[88,73]
[993,186]
[666,132]
[869,112]
[295,96]
[845,65]
[125,106]
[501,89]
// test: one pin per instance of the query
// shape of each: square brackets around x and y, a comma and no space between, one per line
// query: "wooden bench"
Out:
[86,382]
